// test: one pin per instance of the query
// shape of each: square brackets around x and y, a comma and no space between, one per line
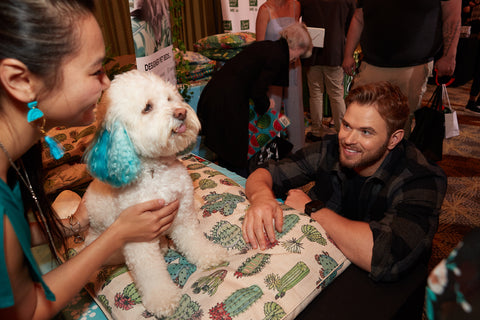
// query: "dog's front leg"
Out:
[191,241]
[159,293]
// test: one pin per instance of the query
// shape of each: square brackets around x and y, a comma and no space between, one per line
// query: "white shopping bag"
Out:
[451,122]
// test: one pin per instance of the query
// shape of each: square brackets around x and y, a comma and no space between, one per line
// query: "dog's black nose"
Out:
[180,113]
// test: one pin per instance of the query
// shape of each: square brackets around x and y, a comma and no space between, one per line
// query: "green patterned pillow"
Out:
[225,41]
[221,54]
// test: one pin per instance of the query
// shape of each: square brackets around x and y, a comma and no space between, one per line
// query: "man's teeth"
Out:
[352,150]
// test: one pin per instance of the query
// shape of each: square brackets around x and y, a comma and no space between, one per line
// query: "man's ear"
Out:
[395,138]
[17,80]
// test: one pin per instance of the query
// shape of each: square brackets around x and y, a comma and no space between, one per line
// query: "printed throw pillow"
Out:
[225,41]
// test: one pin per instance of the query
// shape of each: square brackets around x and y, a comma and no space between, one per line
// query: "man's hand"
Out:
[349,65]
[445,66]
[297,199]
[261,218]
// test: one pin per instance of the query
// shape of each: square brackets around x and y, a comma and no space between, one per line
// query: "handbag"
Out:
[429,130]
[451,121]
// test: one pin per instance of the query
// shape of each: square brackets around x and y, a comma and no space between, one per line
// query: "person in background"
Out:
[375,194]
[399,40]
[472,11]
[51,74]
[223,106]
[272,17]
[324,67]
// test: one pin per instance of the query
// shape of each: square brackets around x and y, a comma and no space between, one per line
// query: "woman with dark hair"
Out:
[51,74]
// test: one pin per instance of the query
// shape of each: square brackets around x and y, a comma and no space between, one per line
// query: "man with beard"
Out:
[375,194]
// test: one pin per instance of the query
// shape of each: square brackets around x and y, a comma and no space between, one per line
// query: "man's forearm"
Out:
[354,33]
[353,238]
[259,185]
[451,23]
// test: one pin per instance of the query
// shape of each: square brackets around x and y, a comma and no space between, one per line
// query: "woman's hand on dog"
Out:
[145,221]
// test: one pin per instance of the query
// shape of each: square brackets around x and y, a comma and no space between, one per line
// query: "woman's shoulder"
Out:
[264,10]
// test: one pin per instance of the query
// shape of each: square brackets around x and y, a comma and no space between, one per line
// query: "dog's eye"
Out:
[148,108]
[169,98]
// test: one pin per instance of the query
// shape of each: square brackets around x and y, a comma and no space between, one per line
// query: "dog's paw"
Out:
[164,304]
[215,257]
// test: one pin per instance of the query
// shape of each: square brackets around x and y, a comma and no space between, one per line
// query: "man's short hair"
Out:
[391,103]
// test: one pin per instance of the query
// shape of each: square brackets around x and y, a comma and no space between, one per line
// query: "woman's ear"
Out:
[395,138]
[17,80]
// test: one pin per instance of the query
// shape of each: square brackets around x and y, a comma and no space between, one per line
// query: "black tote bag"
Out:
[429,130]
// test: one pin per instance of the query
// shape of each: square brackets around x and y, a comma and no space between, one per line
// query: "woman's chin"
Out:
[88,117]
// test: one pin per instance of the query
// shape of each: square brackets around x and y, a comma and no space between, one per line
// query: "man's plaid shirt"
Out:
[401,201]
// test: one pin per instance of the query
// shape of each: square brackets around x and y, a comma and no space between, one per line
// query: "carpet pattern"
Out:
[461,162]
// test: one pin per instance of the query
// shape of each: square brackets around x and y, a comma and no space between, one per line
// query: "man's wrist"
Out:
[313,206]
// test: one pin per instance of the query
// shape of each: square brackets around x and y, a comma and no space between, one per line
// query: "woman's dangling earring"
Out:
[56,149]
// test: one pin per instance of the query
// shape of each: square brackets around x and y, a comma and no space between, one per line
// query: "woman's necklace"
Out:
[26,182]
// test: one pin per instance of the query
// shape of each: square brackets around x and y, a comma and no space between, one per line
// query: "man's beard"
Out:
[366,161]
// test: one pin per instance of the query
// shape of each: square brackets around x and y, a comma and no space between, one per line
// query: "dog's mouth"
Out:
[180,129]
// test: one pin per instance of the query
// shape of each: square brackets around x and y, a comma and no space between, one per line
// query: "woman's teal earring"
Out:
[56,150]
[34,113]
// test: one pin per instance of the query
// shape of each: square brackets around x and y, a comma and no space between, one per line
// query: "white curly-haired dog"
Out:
[145,124]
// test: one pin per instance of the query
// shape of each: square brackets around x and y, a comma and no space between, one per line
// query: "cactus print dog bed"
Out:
[273,284]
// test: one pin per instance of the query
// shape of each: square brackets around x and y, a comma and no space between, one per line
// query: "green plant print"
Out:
[128,298]
[225,203]
[328,272]
[253,265]
[273,311]
[181,270]
[311,233]
[209,284]
[289,279]
[106,275]
[237,303]
[187,310]
[228,236]
[104,301]
[204,184]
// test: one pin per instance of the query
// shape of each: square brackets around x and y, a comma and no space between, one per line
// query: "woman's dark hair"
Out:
[41,34]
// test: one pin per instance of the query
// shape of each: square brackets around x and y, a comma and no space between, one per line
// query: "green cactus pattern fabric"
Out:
[273,284]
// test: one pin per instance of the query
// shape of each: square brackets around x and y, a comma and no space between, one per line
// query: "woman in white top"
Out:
[272,17]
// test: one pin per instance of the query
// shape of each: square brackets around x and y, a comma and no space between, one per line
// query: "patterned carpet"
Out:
[461,162]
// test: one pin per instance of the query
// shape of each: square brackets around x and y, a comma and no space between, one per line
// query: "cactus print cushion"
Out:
[273,284]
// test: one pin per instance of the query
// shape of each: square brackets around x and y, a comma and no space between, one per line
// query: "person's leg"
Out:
[474,100]
[316,89]
[335,91]
[294,108]
[415,80]
[276,93]
[367,73]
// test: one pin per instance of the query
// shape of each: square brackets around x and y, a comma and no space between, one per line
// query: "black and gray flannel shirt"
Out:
[401,201]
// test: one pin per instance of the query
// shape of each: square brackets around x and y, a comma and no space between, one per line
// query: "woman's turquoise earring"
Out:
[34,113]
[56,149]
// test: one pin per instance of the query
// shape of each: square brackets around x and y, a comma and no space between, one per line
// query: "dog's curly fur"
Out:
[144,124]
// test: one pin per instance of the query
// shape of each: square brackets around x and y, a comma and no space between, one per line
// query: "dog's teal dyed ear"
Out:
[112,157]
